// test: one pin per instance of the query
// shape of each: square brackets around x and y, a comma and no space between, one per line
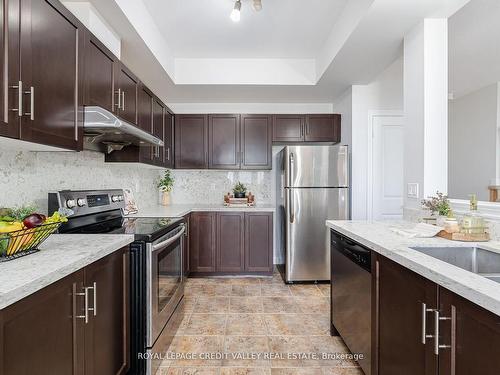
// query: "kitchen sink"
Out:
[473,259]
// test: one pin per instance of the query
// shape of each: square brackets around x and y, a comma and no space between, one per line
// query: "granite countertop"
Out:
[378,237]
[177,210]
[59,256]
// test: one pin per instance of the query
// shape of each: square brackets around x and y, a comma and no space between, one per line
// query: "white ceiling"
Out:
[474,47]
[362,41]
[282,29]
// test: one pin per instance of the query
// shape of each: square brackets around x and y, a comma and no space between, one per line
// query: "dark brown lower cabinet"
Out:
[46,333]
[401,298]
[259,242]
[231,243]
[106,335]
[202,240]
[470,336]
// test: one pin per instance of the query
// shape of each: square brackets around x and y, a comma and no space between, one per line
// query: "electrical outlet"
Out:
[412,190]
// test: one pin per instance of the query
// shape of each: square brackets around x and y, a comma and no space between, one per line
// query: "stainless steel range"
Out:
[156,267]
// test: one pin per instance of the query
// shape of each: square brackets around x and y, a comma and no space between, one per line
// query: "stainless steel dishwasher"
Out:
[351,287]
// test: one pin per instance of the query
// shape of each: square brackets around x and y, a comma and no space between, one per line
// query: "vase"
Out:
[239,195]
[165,198]
[440,221]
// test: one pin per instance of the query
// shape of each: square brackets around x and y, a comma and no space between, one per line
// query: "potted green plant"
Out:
[439,205]
[166,184]
[239,190]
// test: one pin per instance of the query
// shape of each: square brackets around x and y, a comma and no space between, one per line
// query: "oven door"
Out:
[165,281]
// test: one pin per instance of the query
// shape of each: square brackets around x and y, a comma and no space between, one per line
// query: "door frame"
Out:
[372,115]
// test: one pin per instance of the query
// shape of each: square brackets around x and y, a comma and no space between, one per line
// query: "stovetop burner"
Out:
[106,217]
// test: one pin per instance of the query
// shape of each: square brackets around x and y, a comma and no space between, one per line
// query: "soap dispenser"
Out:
[472,223]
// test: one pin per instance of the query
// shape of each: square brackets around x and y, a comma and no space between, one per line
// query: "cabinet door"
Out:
[224,141]
[230,241]
[168,140]
[187,243]
[471,335]
[42,334]
[191,146]
[10,73]
[401,298]
[202,242]
[256,142]
[145,120]
[52,42]
[288,128]
[128,87]
[99,74]
[259,242]
[158,131]
[107,333]
[322,128]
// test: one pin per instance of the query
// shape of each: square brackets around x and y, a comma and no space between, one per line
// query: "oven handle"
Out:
[170,240]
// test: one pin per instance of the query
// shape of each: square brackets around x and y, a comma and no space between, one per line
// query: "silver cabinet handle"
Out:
[19,108]
[85,294]
[119,104]
[437,319]
[31,113]
[425,310]
[123,100]
[94,290]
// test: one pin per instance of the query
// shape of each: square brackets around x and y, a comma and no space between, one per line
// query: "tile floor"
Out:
[281,326]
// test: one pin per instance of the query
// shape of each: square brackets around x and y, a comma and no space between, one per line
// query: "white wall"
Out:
[355,105]
[426,109]
[473,120]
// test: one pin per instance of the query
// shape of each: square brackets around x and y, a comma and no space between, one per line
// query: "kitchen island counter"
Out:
[379,237]
[179,210]
[59,256]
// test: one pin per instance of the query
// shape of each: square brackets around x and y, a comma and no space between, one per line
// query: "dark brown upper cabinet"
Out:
[306,128]
[256,142]
[230,242]
[10,74]
[288,128]
[322,128]
[168,139]
[47,91]
[100,64]
[191,141]
[224,142]
[126,91]
[158,130]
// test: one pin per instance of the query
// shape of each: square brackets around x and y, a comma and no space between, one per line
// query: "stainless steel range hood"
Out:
[104,131]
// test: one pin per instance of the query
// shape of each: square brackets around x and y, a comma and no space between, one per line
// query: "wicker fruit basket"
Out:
[25,241]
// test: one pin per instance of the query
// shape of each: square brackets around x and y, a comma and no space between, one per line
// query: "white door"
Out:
[387,168]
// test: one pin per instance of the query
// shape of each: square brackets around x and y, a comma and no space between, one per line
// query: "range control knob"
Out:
[81,202]
[70,203]
[115,198]
[120,198]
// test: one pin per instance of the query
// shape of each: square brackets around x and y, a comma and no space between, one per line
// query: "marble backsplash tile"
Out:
[27,177]
[209,186]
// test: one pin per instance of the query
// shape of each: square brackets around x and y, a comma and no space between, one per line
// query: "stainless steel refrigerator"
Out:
[312,187]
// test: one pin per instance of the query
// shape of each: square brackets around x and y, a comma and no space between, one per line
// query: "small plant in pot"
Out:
[439,205]
[166,184]
[239,190]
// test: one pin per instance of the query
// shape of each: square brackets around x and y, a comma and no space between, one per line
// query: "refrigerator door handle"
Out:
[291,166]
[291,206]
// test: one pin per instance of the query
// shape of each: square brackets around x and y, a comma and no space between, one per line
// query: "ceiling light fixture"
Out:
[257,5]
[235,14]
